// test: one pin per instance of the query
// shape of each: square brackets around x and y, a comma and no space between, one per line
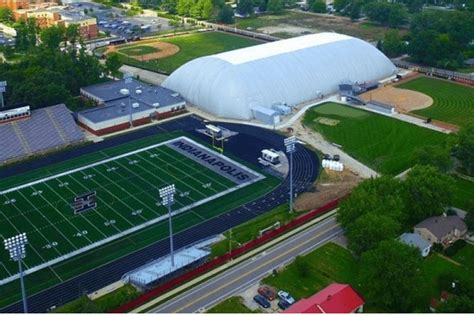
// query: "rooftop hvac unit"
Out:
[156,104]
[135,105]
[175,94]
[138,91]
[124,91]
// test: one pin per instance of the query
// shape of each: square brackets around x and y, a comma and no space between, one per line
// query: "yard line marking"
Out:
[178,180]
[47,219]
[94,210]
[199,171]
[66,218]
[138,174]
[84,217]
[131,195]
[116,197]
[4,267]
[19,232]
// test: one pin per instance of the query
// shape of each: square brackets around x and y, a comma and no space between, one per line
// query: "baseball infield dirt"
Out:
[164,50]
[403,100]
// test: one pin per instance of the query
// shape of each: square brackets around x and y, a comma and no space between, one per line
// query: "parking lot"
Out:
[116,22]
[6,40]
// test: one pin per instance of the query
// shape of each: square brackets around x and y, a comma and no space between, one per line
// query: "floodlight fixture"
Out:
[16,246]
[290,144]
[167,198]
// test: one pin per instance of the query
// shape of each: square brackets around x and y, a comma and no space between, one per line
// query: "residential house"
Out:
[415,240]
[441,229]
[335,298]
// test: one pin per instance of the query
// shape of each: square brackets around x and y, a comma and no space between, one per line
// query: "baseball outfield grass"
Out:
[191,46]
[383,143]
[137,50]
[452,103]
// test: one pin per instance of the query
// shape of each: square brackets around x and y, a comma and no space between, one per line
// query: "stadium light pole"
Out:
[167,198]
[290,144]
[128,80]
[16,246]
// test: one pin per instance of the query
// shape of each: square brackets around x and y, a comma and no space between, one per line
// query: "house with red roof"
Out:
[335,298]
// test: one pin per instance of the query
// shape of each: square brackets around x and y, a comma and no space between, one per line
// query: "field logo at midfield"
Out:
[213,161]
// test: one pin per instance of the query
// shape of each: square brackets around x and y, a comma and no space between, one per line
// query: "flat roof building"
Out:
[122,105]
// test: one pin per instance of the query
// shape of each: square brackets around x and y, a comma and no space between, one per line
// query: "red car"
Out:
[267,292]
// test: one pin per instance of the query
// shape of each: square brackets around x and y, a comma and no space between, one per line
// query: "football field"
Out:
[125,199]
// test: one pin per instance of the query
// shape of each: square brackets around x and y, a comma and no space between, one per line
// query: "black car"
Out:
[283,304]
[336,158]
[262,301]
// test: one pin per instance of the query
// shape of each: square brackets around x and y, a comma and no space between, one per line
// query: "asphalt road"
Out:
[244,275]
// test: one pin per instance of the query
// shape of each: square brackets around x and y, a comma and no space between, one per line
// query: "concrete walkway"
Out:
[145,75]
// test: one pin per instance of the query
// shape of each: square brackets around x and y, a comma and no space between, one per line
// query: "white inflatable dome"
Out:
[289,71]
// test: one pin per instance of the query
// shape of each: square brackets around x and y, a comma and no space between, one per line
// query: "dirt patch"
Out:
[404,100]
[327,121]
[330,186]
[164,50]
[285,28]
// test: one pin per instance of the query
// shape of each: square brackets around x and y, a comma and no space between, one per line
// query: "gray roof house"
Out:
[441,229]
[417,241]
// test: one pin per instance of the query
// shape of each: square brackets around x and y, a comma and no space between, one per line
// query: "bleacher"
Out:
[47,129]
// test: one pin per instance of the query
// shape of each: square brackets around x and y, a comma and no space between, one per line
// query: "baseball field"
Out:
[452,103]
[167,54]
[383,143]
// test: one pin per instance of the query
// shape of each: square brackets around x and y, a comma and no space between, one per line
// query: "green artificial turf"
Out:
[383,143]
[452,103]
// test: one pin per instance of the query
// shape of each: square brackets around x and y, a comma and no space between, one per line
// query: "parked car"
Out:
[262,301]
[283,304]
[336,158]
[285,296]
[267,292]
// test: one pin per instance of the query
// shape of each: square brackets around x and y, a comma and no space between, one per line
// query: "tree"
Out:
[390,274]
[319,6]
[464,148]
[207,9]
[369,230]
[380,196]
[456,304]
[183,7]
[275,6]
[302,266]
[72,33]
[437,156]
[245,7]
[113,64]
[392,44]
[26,34]
[169,6]
[414,6]
[53,36]
[427,192]
[469,220]
[6,15]
[226,14]
[391,14]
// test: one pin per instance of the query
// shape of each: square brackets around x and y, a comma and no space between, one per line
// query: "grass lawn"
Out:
[191,47]
[381,142]
[250,230]
[465,256]
[292,24]
[231,305]
[101,305]
[138,50]
[463,193]
[452,103]
[434,267]
[329,263]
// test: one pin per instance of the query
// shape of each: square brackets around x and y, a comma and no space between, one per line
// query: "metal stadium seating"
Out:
[46,129]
